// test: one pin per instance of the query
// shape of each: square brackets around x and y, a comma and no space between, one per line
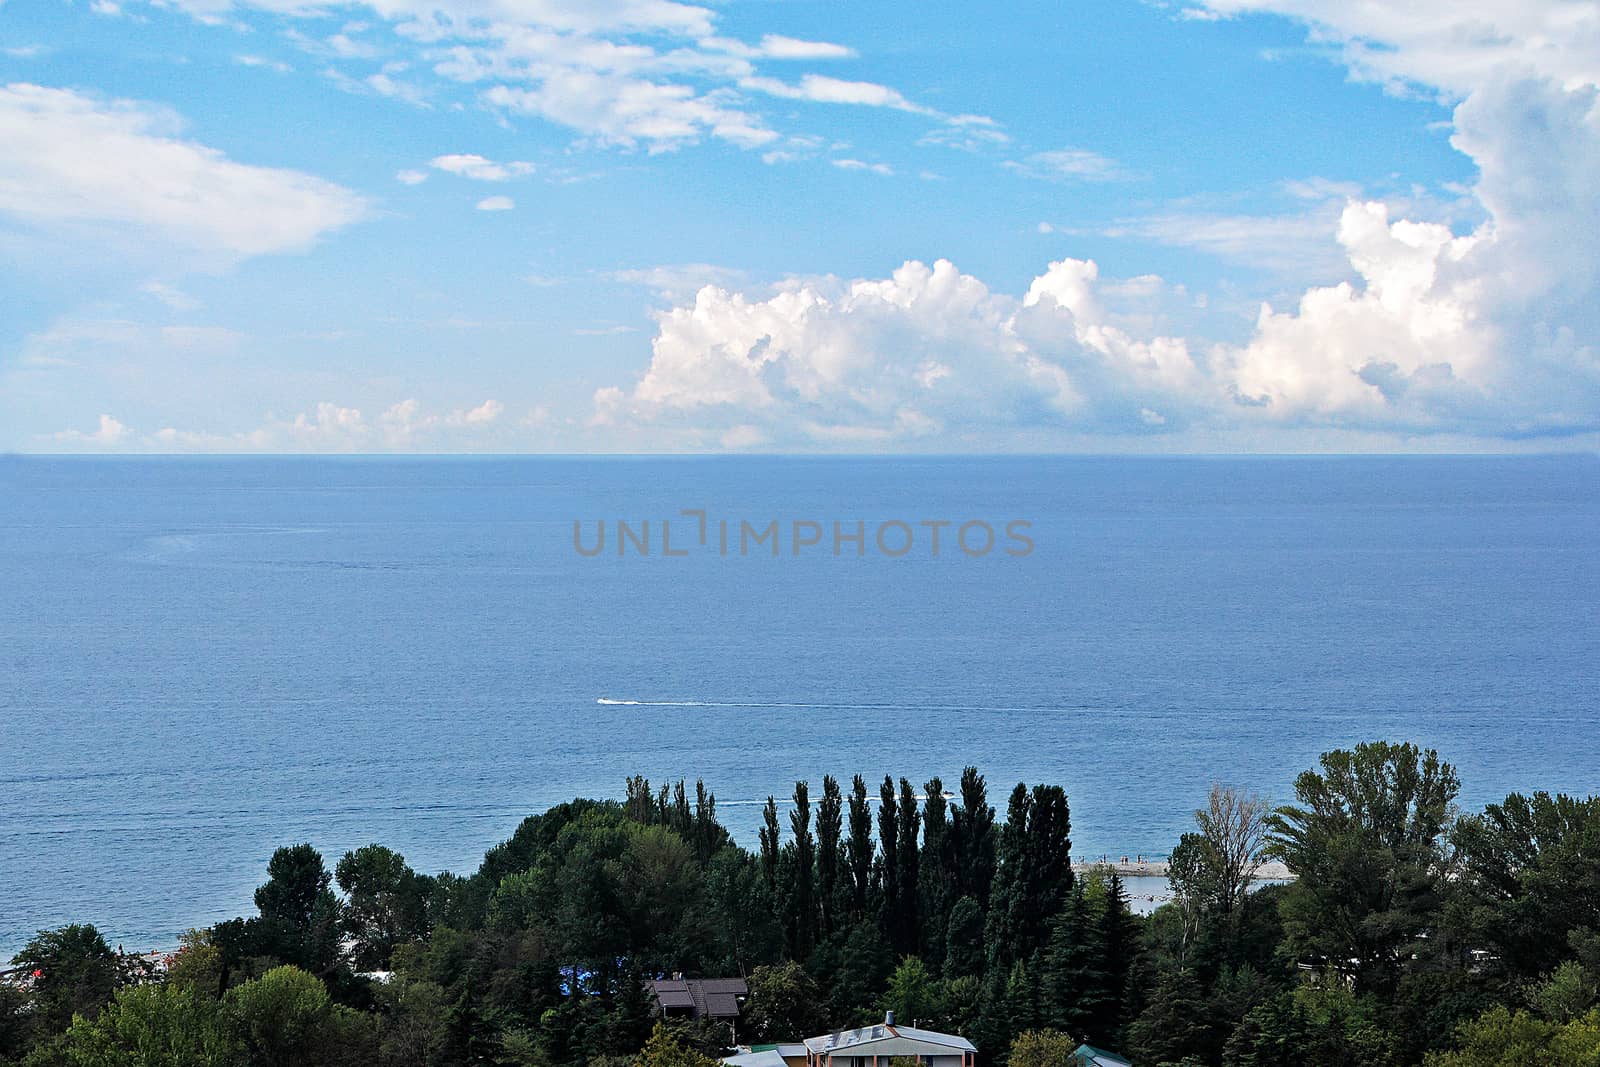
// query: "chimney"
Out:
[888,1018]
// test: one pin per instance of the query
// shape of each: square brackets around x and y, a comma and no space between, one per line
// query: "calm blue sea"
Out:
[202,659]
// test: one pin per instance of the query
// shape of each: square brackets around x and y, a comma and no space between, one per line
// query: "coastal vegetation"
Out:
[1412,933]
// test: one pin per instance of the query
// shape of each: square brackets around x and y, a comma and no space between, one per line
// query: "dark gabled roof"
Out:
[706,998]
[1090,1056]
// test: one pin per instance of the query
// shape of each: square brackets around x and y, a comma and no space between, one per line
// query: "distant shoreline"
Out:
[1158,868]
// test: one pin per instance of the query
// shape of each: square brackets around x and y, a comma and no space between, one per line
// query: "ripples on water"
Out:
[204,659]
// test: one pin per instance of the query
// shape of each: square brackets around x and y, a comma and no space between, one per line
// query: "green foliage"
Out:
[665,1050]
[1402,943]
[1366,842]
[1500,1036]
[160,1025]
[784,1003]
[1042,1048]
[386,904]
[74,972]
[912,994]
[1530,866]
[1568,992]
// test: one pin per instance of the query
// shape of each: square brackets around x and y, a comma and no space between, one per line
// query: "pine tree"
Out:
[1072,979]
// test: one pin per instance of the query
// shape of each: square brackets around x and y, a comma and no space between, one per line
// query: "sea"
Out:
[202,659]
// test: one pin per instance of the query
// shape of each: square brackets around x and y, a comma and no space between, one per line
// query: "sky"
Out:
[792,226]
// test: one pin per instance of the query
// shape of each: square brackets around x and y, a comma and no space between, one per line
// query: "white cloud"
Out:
[110,432]
[821,89]
[883,169]
[496,203]
[262,62]
[1290,245]
[402,427]
[73,160]
[411,177]
[1069,164]
[630,111]
[678,282]
[777,46]
[1447,45]
[480,169]
[620,73]
[173,297]
[925,351]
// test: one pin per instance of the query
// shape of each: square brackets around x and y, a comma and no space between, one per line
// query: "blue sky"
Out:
[641,225]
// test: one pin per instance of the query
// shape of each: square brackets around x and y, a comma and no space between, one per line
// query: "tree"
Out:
[1072,977]
[935,879]
[74,973]
[908,918]
[1365,842]
[784,1003]
[286,1016]
[829,825]
[386,906]
[889,865]
[972,836]
[1530,878]
[742,914]
[665,1050]
[1033,873]
[1041,1048]
[858,849]
[912,994]
[963,942]
[157,1025]
[770,842]
[1211,870]
[300,916]
[1174,1024]
[802,901]
[1500,1036]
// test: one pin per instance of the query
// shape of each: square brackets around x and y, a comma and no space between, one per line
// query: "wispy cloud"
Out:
[1069,165]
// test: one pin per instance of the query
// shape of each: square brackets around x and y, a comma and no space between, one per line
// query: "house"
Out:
[784,1054]
[699,998]
[1089,1056]
[876,1045]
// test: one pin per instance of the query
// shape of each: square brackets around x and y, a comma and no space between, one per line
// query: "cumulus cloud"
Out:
[926,350]
[109,433]
[1487,332]
[74,160]
[328,427]
[821,89]
[496,203]
[881,169]
[479,169]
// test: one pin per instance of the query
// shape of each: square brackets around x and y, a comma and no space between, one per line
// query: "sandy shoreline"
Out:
[1157,868]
